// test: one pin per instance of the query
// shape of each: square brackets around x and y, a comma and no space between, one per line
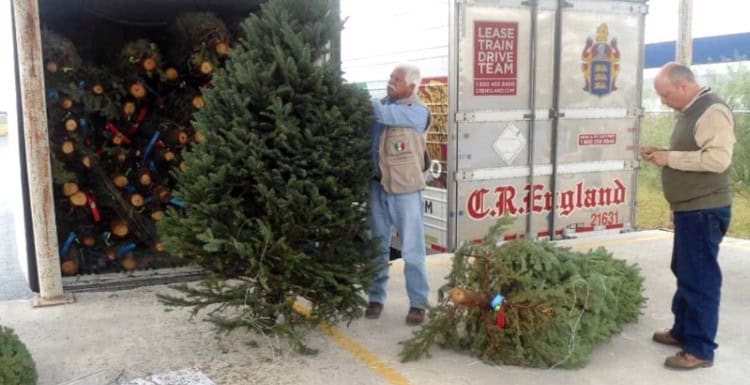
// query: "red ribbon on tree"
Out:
[499,304]
[141,116]
[501,319]
[94,210]
[113,129]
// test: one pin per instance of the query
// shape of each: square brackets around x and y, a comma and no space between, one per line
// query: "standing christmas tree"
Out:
[274,195]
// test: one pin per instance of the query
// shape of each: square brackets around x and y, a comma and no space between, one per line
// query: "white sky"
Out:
[710,17]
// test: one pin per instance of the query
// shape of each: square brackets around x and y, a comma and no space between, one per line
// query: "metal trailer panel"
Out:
[602,120]
[454,25]
[528,128]
[436,218]
[590,140]
[501,144]
[615,40]
[489,145]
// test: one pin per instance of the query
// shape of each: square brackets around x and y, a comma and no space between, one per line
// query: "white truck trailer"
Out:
[537,118]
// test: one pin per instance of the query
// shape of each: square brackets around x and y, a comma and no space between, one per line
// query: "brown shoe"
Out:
[686,361]
[373,310]
[666,338]
[415,316]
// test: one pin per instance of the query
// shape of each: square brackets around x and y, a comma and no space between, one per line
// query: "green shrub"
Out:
[16,365]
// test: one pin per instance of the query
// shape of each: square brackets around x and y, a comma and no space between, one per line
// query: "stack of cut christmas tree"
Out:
[117,134]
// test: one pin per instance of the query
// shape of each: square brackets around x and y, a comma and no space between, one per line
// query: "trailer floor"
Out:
[118,337]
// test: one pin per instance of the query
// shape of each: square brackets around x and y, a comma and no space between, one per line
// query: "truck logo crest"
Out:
[600,63]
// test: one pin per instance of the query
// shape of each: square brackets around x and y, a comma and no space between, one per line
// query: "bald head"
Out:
[677,73]
[676,85]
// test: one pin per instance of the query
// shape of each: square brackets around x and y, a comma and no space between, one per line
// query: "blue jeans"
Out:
[405,212]
[697,235]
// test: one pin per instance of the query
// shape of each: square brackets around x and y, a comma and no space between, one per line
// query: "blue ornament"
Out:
[53,95]
[122,250]
[497,302]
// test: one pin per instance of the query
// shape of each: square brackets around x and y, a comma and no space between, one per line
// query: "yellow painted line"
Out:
[365,356]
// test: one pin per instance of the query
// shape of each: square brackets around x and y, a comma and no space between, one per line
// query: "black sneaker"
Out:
[415,316]
[373,310]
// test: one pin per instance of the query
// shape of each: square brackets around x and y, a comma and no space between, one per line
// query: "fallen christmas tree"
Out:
[530,303]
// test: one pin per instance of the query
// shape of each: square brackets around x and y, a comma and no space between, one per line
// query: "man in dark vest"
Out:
[697,184]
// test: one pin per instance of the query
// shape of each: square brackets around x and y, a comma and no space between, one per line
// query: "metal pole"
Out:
[456,27]
[532,104]
[31,73]
[638,119]
[684,54]
[555,111]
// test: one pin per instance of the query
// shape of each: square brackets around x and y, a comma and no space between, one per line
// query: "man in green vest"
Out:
[697,184]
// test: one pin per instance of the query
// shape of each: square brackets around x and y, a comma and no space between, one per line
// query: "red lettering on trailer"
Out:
[505,197]
[536,199]
[597,139]
[475,204]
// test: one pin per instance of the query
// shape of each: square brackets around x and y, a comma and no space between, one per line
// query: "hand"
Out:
[645,151]
[658,157]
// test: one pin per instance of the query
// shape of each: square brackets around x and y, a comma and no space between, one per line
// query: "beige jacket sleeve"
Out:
[714,134]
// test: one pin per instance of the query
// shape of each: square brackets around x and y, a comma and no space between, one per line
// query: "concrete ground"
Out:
[115,337]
